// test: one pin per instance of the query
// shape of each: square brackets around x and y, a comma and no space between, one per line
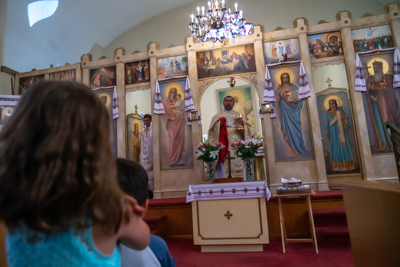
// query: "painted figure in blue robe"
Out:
[338,123]
[289,112]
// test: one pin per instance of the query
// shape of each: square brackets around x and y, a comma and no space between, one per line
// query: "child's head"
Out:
[57,167]
[132,179]
[179,96]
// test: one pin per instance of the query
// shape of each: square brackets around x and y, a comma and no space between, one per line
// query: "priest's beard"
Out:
[378,75]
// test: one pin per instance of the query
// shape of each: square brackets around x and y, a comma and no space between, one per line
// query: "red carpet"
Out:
[297,255]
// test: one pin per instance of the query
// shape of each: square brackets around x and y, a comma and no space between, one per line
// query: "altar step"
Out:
[156,224]
[331,227]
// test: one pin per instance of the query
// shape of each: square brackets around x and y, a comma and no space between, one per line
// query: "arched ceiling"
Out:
[75,21]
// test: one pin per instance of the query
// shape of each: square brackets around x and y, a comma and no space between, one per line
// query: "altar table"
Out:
[229,217]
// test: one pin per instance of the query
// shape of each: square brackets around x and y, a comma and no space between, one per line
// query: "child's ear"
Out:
[134,206]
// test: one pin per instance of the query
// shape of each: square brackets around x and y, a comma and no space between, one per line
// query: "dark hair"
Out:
[148,116]
[334,102]
[132,179]
[57,168]
[230,97]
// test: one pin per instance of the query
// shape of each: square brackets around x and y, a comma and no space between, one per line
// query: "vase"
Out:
[210,172]
[248,169]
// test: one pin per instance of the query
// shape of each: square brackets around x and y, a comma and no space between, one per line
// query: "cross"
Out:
[329,81]
[136,107]
[228,215]
[229,163]
[366,68]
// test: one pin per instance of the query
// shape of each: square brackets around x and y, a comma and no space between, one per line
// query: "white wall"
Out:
[337,73]
[172,27]
[5,84]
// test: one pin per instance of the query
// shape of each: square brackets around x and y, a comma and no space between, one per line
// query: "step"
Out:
[330,217]
[332,231]
[329,212]
[156,223]
[333,236]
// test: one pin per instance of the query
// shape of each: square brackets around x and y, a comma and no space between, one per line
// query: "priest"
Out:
[224,127]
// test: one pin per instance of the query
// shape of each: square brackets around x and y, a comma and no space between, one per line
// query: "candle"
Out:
[192,16]
[223,3]
[236,6]
[198,11]
[202,10]
[209,5]
[241,13]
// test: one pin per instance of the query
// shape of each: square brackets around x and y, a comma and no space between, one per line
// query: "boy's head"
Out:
[147,120]
[179,96]
[133,179]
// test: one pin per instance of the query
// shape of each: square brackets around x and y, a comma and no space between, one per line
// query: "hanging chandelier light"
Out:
[219,23]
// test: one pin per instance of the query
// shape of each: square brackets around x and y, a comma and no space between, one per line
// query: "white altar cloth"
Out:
[214,191]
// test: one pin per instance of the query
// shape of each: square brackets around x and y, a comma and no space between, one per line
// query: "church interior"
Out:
[317,81]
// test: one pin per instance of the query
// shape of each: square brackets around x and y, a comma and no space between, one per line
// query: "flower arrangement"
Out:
[247,148]
[231,81]
[207,150]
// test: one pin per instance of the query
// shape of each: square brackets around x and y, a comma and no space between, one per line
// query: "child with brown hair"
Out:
[133,179]
[59,195]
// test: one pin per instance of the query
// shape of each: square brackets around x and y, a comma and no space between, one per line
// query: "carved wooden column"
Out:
[196,128]
[260,67]
[313,109]
[394,16]
[85,59]
[152,53]
[121,101]
[367,165]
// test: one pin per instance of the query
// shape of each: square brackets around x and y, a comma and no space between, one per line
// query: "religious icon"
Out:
[372,38]
[282,50]
[337,131]
[381,100]
[137,72]
[106,96]
[172,66]
[176,140]
[66,75]
[218,62]
[291,127]
[324,45]
[26,82]
[103,77]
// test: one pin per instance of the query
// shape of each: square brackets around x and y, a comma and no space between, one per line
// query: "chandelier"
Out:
[219,23]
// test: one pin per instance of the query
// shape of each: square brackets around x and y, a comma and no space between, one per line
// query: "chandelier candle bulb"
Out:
[217,23]
[192,16]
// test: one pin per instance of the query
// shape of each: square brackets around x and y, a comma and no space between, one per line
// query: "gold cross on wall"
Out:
[136,107]
[329,81]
